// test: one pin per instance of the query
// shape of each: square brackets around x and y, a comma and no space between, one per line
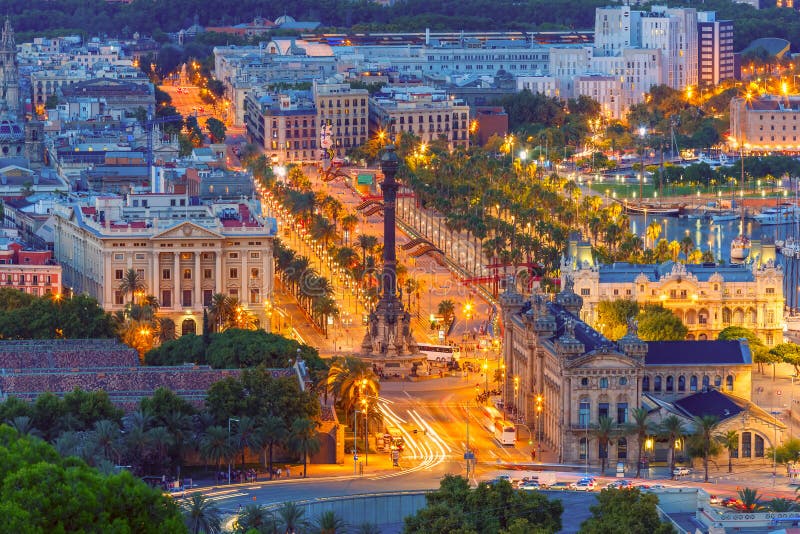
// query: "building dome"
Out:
[10,131]
[283,19]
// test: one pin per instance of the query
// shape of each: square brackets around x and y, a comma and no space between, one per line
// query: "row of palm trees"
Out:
[202,515]
[703,440]
[148,443]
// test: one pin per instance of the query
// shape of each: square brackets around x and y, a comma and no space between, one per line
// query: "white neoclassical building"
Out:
[184,251]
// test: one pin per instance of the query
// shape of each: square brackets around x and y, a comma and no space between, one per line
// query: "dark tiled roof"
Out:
[591,338]
[710,402]
[735,352]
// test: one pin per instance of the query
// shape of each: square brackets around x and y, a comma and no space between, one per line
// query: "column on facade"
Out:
[244,297]
[198,296]
[108,281]
[176,275]
[155,287]
[218,271]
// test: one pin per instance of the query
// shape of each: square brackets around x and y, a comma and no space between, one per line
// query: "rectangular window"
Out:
[187,274]
[140,273]
[187,298]
[255,296]
[602,409]
[233,255]
[166,298]
[255,255]
[165,274]
[585,292]
[622,412]
[118,274]
[233,273]
[207,296]
[233,293]
[119,298]
[583,414]
[254,273]
[207,274]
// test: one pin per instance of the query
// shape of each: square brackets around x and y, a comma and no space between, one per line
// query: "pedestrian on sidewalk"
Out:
[288,473]
[279,472]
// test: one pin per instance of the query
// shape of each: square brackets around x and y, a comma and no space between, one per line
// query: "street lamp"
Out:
[539,402]
[229,439]
[365,405]
[355,441]
[485,377]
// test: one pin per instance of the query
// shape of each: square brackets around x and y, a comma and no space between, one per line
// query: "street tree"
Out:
[673,429]
[202,515]
[729,441]
[625,511]
[613,316]
[303,439]
[705,427]
[657,323]
[216,130]
[640,427]
[489,508]
[604,431]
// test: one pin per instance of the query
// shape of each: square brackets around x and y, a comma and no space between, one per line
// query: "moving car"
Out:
[620,484]
[715,500]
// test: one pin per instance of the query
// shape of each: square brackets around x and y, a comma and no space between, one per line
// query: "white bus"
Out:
[490,417]
[440,353]
[505,432]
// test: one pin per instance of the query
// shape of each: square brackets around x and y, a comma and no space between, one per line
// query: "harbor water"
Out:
[717,237]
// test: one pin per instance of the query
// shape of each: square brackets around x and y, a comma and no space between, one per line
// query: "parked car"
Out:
[730,502]
[715,500]
[620,484]
[681,471]
[583,485]
[530,485]
[559,486]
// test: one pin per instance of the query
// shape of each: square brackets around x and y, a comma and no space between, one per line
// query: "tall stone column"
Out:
[198,294]
[177,276]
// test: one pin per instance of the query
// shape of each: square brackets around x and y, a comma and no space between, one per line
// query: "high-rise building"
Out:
[674,32]
[715,49]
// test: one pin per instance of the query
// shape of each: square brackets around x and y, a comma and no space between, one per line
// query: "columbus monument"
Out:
[388,342]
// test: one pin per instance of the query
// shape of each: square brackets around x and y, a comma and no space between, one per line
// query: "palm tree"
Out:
[350,377]
[323,230]
[348,224]
[367,244]
[447,309]
[160,441]
[273,432]
[221,311]
[202,515]
[107,436]
[705,426]
[303,439]
[324,307]
[180,426]
[730,441]
[24,426]
[749,500]
[782,505]
[132,282]
[291,518]
[255,517]
[640,427]
[247,436]
[653,231]
[330,523]
[604,431]
[166,329]
[673,430]
[367,528]
[215,445]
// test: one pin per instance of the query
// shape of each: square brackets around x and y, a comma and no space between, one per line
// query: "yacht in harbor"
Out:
[724,216]
[784,214]
[740,248]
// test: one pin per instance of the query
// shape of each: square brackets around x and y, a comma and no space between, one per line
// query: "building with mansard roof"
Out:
[579,376]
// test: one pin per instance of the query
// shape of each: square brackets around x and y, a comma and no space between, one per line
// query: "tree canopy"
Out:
[625,511]
[234,349]
[657,323]
[488,509]
[42,492]
[23,316]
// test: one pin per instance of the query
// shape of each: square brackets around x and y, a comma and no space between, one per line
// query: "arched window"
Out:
[758,448]
[681,383]
[645,383]
[623,381]
[584,447]
[622,449]
[670,384]
[717,381]
[706,381]
[729,383]
[604,383]
[693,383]
[657,384]
[726,316]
